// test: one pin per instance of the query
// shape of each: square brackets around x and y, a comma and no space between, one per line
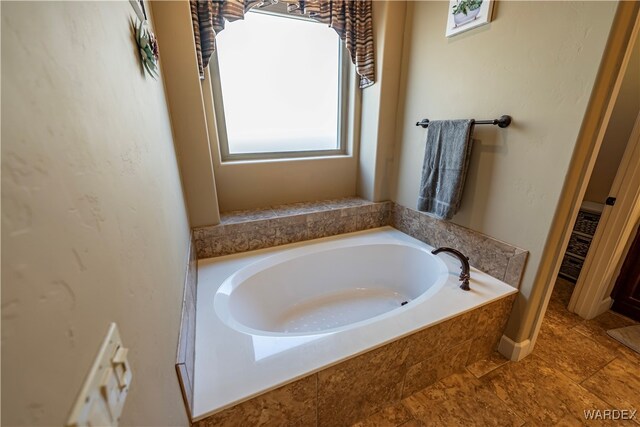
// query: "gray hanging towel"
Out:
[446,160]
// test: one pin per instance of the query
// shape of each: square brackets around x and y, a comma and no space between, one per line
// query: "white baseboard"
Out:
[604,306]
[512,350]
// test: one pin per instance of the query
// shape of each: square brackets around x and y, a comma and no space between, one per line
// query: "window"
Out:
[280,88]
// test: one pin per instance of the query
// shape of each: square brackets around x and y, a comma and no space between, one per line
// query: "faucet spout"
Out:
[464,260]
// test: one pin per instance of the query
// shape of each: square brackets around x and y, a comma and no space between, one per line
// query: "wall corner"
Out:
[514,351]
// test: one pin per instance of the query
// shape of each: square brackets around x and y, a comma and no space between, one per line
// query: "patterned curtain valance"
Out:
[351,19]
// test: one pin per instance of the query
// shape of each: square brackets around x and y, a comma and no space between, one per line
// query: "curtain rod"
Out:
[502,122]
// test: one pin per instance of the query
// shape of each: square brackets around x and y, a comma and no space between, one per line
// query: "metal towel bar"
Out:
[502,122]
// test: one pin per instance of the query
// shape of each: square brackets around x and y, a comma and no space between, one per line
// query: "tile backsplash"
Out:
[496,258]
[241,231]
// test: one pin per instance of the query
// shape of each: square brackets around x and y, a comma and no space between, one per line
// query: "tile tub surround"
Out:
[340,377]
[186,353]
[536,390]
[242,231]
[499,259]
[359,387]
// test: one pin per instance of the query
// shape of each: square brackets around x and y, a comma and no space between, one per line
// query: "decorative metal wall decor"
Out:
[148,47]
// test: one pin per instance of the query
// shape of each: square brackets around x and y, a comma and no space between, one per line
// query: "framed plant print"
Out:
[465,15]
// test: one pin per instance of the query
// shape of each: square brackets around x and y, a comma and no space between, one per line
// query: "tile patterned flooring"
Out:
[574,367]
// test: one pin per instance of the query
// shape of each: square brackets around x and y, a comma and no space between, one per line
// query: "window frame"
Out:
[344,90]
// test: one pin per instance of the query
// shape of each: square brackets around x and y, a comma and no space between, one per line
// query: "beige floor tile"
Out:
[596,329]
[571,353]
[611,320]
[391,416]
[541,394]
[484,366]
[559,318]
[562,291]
[557,315]
[460,400]
[413,423]
[618,384]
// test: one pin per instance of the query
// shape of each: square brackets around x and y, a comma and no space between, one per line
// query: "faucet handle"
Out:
[464,278]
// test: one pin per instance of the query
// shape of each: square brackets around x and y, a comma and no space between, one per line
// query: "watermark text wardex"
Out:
[610,414]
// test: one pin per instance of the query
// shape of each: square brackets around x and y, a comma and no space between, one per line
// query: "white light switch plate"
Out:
[105,389]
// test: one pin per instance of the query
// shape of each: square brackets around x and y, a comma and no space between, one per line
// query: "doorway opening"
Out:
[595,236]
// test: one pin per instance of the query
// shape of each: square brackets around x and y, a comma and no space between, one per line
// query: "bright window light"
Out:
[279,78]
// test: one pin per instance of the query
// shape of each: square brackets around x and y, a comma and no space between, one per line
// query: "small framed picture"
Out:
[464,15]
[138,7]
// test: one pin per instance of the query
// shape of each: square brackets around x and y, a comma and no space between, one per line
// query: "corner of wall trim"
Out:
[514,351]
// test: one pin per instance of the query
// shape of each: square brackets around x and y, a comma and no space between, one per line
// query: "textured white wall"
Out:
[94,227]
[536,61]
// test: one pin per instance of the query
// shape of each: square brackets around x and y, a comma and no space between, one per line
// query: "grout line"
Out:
[317,398]
[622,316]
[404,380]
[593,393]
[408,421]
[549,365]
[488,372]
[596,372]
[524,417]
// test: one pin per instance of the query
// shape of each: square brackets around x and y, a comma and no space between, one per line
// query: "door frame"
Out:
[591,296]
[621,288]
[615,58]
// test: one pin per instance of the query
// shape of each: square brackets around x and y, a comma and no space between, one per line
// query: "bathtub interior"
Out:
[330,289]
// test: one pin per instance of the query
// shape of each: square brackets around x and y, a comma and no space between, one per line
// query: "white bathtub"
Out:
[268,317]
[308,292]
